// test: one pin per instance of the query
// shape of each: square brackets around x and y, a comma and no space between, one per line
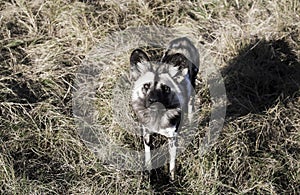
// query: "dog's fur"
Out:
[162,92]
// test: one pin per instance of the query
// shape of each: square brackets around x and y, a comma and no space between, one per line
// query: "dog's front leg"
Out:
[191,109]
[172,152]
[146,137]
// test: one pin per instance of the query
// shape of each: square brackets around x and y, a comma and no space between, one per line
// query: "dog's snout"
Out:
[152,100]
[153,97]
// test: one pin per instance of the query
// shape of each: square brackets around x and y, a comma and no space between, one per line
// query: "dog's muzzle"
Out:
[157,106]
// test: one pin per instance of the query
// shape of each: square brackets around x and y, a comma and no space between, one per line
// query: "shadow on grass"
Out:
[161,183]
[261,73]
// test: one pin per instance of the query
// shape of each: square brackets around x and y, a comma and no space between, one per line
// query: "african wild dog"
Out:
[162,93]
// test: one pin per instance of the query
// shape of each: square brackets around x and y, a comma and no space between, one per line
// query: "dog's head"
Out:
[157,95]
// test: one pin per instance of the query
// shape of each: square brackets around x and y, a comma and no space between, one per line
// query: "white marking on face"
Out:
[146,78]
[138,85]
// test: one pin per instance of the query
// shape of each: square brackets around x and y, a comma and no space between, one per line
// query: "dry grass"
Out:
[256,46]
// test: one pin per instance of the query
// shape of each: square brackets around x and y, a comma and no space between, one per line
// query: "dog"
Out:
[162,93]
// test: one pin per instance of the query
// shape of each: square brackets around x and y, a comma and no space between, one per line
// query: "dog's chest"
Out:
[168,132]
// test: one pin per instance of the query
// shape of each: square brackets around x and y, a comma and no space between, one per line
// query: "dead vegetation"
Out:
[255,44]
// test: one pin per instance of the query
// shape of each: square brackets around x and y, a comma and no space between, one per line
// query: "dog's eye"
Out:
[146,86]
[166,89]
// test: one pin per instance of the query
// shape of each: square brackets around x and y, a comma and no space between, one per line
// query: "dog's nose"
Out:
[152,100]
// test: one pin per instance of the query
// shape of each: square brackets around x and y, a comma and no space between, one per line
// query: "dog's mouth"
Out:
[157,107]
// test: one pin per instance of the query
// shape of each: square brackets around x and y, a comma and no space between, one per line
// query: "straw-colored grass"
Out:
[254,44]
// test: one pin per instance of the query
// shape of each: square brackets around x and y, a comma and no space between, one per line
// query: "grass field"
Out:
[254,44]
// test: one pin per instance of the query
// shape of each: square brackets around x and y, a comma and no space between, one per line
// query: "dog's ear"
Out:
[179,65]
[138,56]
[139,62]
[176,59]
[178,73]
[183,64]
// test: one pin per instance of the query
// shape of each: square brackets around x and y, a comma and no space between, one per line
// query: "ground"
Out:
[255,45]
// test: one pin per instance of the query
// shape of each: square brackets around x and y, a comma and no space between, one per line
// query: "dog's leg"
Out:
[146,136]
[172,152]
